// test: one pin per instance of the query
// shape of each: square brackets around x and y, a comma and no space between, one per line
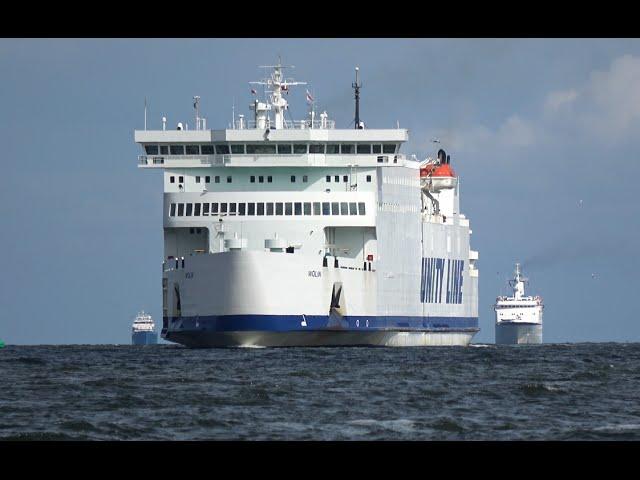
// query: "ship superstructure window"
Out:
[333,148]
[261,179]
[172,212]
[269,208]
[242,208]
[223,209]
[206,149]
[316,148]
[389,148]
[344,208]
[284,149]
[214,209]
[193,150]
[197,179]
[222,149]
[361,209]
[307,208]
[176,149]
[237,148]
[164,149]
[345,178]
[216,179]
[251,208]
[364,148]
[180,209]
[347,148]
[337,178]
[279,208]
[261,148]
[377,149]
[316,208]
[232,208]
[172,179]
[151,149]
[335,208]
[180,179]
[305,179]
[252,179]
[269,179]
[300,148]
[328,178]
[205,209]
[260,208]
[369,178]
[297,208]
[288,208]
[189,209]
[196,209]
[207,179]
[325,208]
[353,208]
[293,179]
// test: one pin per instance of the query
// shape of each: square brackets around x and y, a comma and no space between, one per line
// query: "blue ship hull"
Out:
[144,338]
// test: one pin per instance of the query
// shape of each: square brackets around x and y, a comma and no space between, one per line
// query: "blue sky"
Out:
[543,132]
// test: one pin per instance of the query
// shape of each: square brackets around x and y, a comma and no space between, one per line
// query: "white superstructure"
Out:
[518,317]
[284,232]
[143,323]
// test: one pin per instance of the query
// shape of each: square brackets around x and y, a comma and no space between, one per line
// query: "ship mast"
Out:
[356,86]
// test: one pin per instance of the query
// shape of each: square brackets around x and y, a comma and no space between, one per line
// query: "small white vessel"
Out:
[143,331]
[519,317]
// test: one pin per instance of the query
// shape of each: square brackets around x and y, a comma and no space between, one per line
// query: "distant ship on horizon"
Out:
[143,331]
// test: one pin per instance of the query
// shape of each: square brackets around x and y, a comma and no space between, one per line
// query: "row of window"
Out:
[266,208]
[252,179]
[271,148]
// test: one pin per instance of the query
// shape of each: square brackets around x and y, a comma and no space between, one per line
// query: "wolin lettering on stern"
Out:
[297,233]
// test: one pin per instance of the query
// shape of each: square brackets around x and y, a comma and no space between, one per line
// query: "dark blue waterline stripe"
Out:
[287,323]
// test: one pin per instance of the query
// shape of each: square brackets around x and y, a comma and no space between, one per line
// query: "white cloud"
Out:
[557,100]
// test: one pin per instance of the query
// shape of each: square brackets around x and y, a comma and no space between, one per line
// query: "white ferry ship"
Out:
[297,233]
[143,331]
[519,317]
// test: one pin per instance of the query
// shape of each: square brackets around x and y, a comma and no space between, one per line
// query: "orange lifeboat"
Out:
[438,176]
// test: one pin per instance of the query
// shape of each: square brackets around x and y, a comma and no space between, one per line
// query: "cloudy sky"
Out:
[543,132]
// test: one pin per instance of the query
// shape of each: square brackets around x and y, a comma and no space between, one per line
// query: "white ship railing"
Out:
[289,124]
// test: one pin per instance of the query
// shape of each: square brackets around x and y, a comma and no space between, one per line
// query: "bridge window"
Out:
[361,208]
[216,179]
[300,148]
[316,208]
[229,179]
[251,208]
[232,208]
[293,179]
[261,179]
[260,208]
[151,149]
[335,210]
[377,148]
[389,148]
[205,209]
[207,179]
[337,178]
[206,149]
[279,208]
[261,148]
[196,209]
[269,208]
[345,178]
[180,209]
[364,148]
[297,208]
[164,149]
[307,208]
[353,208]
[222,149]
[325,208]
[284,149]
[242,209]
[288,208]
[180,179]
[214,209]
[369,178]
[237,148]
[316,148]
[328,178]
[252,179]
[269,179]
[347,148]
[333,148]
[305,179]
[223,209]
[176,149]
[173,210]
[193,150]
[197,179]
[344,208]
[172,179]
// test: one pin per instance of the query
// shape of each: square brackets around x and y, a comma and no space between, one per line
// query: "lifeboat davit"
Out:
[437,176]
